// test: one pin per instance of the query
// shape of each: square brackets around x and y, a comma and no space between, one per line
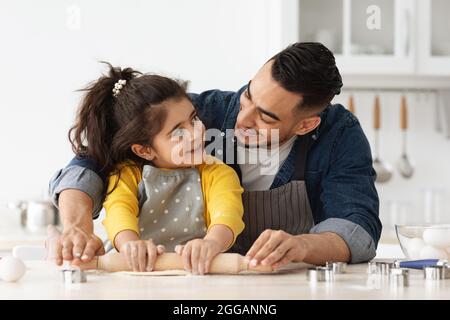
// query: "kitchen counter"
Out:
[11,237]
[43,281]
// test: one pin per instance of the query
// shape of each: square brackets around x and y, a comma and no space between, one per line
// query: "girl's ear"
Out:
[144,152]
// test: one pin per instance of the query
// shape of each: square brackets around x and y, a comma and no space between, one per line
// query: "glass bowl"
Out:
[426,241]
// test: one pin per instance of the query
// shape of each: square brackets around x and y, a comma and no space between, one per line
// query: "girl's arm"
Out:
[223,198]
[222,235]
[124,237]
[223,193]
[121,223]
[122,206]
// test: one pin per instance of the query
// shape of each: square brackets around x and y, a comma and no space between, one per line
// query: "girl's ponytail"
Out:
[95,127]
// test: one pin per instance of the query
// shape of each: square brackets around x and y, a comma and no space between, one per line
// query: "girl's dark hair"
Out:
[308,68]
[107,126]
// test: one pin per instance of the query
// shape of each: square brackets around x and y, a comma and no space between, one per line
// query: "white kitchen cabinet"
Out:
[366,36]
[384,47]
[433,37]
[413,37]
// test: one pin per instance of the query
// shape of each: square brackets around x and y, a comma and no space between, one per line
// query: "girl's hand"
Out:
[141,254]
[197,254]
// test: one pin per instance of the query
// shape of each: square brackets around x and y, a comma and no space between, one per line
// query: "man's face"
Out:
[266,108]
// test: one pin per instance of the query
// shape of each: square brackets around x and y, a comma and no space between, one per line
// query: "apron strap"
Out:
[301,154]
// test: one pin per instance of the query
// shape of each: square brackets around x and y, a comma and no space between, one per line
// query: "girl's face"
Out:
[180,143]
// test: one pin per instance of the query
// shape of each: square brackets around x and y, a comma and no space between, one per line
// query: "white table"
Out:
[43,281]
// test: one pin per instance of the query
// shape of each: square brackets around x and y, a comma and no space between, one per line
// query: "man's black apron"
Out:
[284,208]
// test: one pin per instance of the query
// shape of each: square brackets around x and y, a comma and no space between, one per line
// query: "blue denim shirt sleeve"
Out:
[80,174]
[349,197]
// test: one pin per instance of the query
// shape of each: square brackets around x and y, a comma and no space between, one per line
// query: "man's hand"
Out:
[276,248]
[74,244]
[77,243]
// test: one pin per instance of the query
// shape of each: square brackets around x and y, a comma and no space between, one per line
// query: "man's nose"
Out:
[247,117]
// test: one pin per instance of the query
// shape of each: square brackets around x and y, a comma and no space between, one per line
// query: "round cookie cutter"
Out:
[399,277]
[70,276]
[436,272]
[320,274]
[337,267]
[380,268]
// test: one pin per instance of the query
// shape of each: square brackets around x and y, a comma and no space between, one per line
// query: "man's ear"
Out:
[307,125]
[144,152]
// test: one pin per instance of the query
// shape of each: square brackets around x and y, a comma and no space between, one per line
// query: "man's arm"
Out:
[80,174]
[77,190]
[77,242]
[349,197]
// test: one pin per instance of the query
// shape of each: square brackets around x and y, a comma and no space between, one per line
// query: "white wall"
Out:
[45,57]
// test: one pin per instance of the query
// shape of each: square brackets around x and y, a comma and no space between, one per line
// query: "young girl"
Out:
[163,191]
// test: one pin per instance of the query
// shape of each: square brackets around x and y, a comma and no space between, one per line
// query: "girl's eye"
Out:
[178,132]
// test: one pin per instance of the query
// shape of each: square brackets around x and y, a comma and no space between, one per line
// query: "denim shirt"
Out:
[339,174]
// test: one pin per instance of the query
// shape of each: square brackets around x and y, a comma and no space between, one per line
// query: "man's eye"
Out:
[267,121]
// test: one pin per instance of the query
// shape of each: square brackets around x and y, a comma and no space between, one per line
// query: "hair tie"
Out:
[118,86]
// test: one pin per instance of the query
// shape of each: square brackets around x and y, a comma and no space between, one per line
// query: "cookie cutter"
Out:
[70,276]
[380,268]
[337,267]
[320,274]
[372,267]
[436,272]
[398,277]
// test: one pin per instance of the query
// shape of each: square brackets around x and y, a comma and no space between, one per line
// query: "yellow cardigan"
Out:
[222,198]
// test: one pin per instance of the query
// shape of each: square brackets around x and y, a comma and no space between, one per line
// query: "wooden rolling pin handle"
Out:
[226,263]
[377,113]
[351,104]
[403,113]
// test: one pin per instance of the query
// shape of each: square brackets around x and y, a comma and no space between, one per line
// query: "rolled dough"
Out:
[154,273]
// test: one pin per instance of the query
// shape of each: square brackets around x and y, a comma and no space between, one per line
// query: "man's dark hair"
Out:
[308,68]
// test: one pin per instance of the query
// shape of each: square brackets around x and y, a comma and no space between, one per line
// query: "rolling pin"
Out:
[226,263]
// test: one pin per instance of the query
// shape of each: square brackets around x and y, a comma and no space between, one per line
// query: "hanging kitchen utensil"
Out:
[404,163]
[351,104]
[444,102]
[383,170]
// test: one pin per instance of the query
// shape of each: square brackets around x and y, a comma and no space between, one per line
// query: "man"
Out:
[320,202]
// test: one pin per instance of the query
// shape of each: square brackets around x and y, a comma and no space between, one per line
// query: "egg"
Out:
[437,237]
[414,247]
[429,252]
[11,269]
